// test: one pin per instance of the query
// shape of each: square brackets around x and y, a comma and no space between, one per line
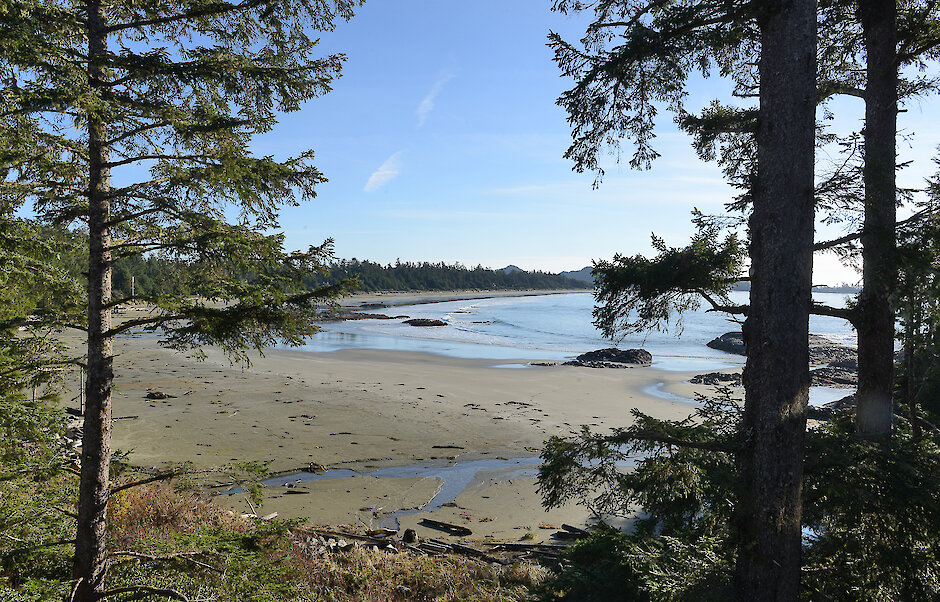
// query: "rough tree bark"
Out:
[875,323]
[776,376]
[90,563]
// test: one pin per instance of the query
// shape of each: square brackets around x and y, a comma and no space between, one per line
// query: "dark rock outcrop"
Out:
[834,377]
[717,379]
[343,315]
[373,306]
[832,408]
[612,358]
[847,364]
[822,351]
[425,322]
[732,342]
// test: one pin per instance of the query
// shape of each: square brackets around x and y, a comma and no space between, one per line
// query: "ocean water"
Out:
[549,328]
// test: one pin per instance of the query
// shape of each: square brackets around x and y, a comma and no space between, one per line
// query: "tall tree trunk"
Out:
[875,322]
[776,376]
[90,563]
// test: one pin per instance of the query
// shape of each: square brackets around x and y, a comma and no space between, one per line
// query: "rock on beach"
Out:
[612,358]
[821,350]
[732,342]
[836,365]
[425,322]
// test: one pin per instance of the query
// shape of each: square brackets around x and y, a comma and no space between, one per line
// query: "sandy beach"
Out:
[368,410]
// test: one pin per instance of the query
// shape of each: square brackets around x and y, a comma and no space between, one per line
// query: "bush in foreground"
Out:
[169,537]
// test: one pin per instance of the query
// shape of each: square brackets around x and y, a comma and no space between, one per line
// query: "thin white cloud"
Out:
[386,172]
[427,105]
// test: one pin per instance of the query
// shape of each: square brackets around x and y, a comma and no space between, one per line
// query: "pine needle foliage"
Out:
[634,59]
[871,504]
[180,90]
[871,522]
[31,358]
[638,294]
[917,299]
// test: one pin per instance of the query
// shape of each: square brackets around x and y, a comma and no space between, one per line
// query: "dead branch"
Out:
[184,556]
[39,546]
[75,589]
[65,512]
[141,591]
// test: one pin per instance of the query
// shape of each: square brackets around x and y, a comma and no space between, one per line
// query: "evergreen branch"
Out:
[658,437]
[716,306]
[216,10]
[121,218]
[158,157]
[124,327]
[639,14]
[138,130]
[38,366]
[917,51]
[9,476]
[829,89]
[132,192]
[163,476]
[818,309]
[912,220]
[128,191]
[908,51]
[139,248]
[116,302]
[829,244]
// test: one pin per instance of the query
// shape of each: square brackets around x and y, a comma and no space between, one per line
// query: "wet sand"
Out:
[367,409]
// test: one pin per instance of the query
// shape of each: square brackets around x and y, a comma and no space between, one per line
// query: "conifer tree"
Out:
[133,121]
[649,57]
[614,96]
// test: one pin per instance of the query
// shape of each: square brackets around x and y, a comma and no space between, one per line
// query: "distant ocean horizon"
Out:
[552,327]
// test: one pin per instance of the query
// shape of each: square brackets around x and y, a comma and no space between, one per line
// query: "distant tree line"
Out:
[155,275]
[426,276]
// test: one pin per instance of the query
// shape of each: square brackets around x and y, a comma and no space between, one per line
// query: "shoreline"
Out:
[399,298]
[369,410]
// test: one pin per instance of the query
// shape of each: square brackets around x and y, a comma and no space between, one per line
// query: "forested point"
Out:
[154,275]
[427,276]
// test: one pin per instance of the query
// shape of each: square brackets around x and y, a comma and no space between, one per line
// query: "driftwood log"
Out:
[448,527]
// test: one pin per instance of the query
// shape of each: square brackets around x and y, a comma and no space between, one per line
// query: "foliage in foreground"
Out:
[869,510]
[170,537]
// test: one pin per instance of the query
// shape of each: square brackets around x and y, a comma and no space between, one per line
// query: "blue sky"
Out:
[442,141]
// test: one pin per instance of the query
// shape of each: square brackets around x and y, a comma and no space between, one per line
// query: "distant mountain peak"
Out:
[510,269]
[583,274]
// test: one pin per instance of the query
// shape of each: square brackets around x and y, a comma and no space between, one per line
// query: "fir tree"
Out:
[134,122]
[615,95]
